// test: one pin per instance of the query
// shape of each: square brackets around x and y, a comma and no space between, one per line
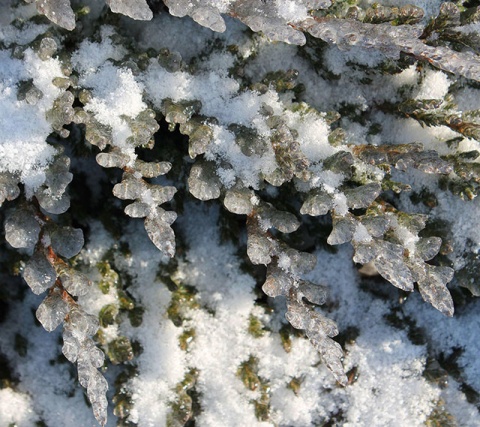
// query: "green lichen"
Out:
[184,406]
[440,417]
[295,384]
[183,299]
[120,350]
[186,338]
[110,277]
[255,327]
[248,374]
[107,315]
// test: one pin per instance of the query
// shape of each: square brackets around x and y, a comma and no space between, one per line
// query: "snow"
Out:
[23,149]
[15,408]
[434,85]
[90,56]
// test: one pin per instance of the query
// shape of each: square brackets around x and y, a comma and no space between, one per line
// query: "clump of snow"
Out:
[163,32]
[313,133]
[291,10]
[435,85]
[405,131]
[468,98]
[447,334]
[340,204]
[23,147]
[116,93]
[463,220]
[16,409]
[90,56]
[390,389]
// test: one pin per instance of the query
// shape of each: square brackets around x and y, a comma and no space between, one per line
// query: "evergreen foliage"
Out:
[258,141]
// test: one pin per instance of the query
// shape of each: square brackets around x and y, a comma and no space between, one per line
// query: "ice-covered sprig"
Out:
[285,267]
[28,227]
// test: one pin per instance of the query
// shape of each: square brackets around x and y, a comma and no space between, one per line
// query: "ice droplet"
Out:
[75,283]
[427,248]
[39,273]
[21,228]
[138,210]
[284,222]
[136,9]
[161,234]
[162,194]
[130,188]
[259,248]
[67,241]
[8,187]
[363,196]
[343,230]
[434,290]
[52,203]
[82,324]
[58,11]
[52,311]
[317,203]
[390,264]
[113,159]
[70,346]
[203,183]
[238,200]
[152,169]
[278,282]
[314,293]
